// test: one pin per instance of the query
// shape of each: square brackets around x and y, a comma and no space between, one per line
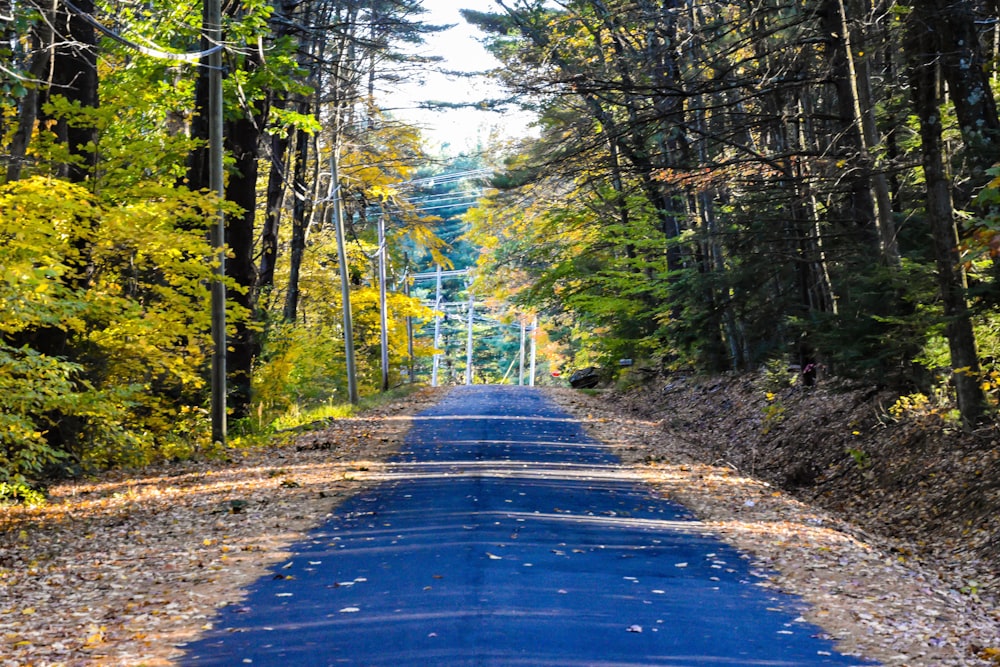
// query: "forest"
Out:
[725,186]
[715,186]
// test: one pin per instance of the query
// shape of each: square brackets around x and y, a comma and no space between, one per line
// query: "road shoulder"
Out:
[125,567]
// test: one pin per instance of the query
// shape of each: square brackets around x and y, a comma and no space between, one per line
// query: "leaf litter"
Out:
[125,568]
[859,543]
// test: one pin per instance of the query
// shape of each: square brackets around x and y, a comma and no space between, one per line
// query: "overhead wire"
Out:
[154,51]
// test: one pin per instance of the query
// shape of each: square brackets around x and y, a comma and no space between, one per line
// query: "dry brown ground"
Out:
[122,569]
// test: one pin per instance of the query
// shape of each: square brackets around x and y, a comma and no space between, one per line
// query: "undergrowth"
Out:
[299,418]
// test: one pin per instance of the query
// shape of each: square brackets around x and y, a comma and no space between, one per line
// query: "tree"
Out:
[759,136]
[925,74]
[74,79]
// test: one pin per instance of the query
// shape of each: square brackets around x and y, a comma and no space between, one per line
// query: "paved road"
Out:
[504,536]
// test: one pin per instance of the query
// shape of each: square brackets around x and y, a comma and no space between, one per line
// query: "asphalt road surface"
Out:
[503,535]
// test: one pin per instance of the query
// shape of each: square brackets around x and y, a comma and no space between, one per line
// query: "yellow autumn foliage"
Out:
[103,324]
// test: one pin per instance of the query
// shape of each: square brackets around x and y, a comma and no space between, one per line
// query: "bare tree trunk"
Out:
[242,137]
[964,66]
[864,114]
[74,76]
[274,202]
[924,86]
[278,181]
[300,225]
[41,38]
[872,201]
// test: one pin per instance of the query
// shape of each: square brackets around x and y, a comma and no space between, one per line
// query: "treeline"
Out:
[726,184]
[105,265]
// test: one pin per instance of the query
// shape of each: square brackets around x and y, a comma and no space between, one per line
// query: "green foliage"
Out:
[104,318]
[299,367]
[721,233]
[31,386]
[318,416]
[861,458]
[778,376]
[571,256]
[774,413]
[20,493]
[886,320]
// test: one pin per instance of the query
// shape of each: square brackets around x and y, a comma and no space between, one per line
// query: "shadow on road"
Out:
[502,535]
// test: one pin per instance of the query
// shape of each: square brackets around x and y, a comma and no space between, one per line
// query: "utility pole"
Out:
[345,276]
[212,19]
[520,366]
[534,349]
[468,342]
[437,330]
[409,319]
[383,303]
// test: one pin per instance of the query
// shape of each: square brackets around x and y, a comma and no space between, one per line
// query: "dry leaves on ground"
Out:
[121,569]
[861,590]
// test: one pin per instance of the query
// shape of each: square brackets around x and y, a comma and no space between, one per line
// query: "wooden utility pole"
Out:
[468,342]
[409,320]
[383,303]
[345,277]
[534,350]
[520,366]
[437,330]
[212,18]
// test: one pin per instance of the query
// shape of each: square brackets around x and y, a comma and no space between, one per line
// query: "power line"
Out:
[444,274]
[438,208]
[430,181]
[155,51]
[454,199]
[435,198]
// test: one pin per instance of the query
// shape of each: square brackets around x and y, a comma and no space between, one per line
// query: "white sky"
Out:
[458,128]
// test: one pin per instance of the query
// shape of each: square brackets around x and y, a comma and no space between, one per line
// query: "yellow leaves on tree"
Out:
[102,317]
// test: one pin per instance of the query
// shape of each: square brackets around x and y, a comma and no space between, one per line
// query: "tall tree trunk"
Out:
[300,225]
[277,183]
[864,115]
[74,76]
[924,86]
[708,255]
[274,202]
[872,201]
[242,136]
[783,106]
[964,66]
[40,39]
[197,177]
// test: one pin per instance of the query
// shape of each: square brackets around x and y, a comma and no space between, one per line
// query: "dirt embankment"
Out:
[907,475]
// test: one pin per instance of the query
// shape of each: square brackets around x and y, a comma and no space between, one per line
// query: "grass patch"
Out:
[309,418]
